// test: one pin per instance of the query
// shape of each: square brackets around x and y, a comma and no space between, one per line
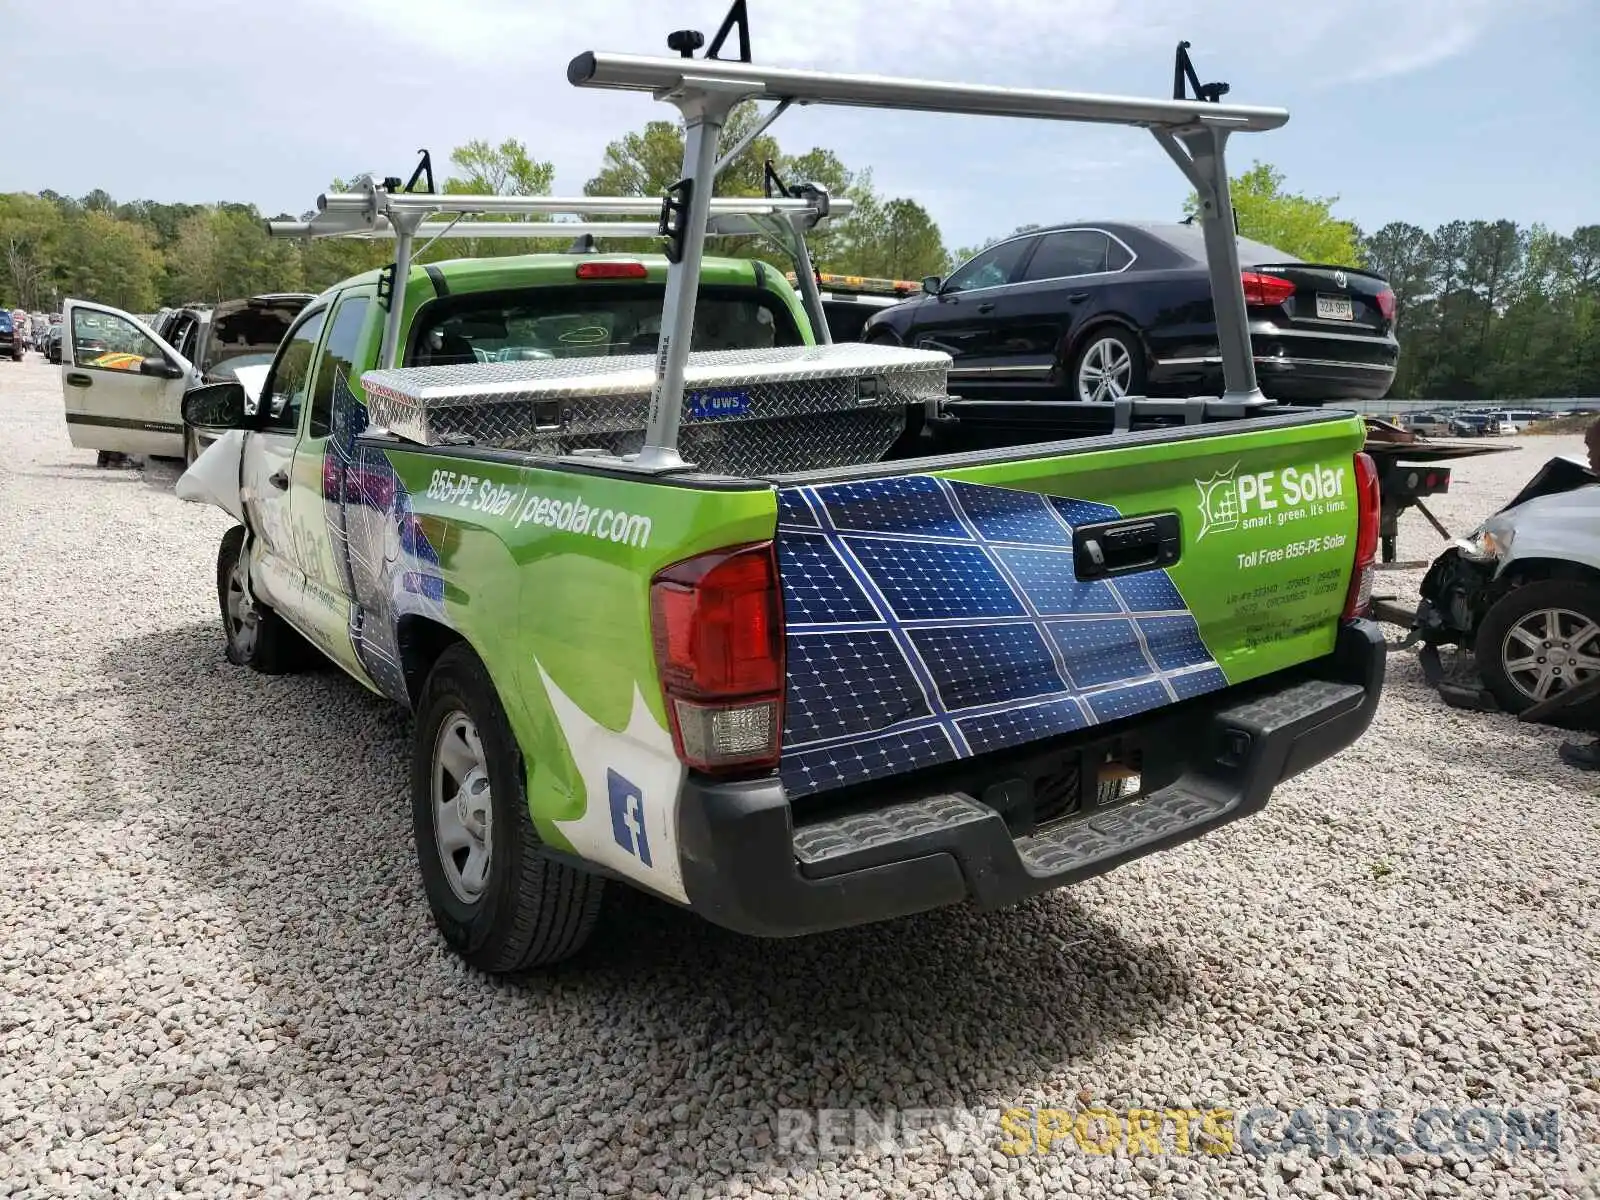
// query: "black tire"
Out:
[1522,608]
[528,910]
[1092,343]
[261,640]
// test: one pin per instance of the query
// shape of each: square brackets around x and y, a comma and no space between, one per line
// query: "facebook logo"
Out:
[627,817]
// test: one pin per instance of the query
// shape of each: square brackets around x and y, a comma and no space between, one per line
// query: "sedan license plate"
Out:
[1335,308]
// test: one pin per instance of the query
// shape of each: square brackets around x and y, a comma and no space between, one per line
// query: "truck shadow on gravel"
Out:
[667,1049]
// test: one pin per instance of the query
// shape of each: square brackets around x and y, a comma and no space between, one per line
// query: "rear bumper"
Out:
[747,867]
[1295,378]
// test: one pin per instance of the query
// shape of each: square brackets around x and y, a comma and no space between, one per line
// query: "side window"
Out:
[993,267]
[109,343]
[1070,252]
[183,335]
[1118,256]
[337,361]
[290,377]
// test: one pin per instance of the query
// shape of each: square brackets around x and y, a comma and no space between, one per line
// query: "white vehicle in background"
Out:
[123,383]
[1522,592]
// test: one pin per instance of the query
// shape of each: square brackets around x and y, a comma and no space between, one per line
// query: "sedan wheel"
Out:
[1107,370]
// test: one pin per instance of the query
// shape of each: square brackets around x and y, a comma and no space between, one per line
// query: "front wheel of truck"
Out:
[499,902]
[258,638]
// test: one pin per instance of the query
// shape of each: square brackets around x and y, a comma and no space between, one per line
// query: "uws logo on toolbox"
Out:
[1231,501]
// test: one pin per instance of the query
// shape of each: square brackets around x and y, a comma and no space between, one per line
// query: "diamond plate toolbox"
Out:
[745,412]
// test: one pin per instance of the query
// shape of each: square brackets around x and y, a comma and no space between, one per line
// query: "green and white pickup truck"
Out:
[775,629]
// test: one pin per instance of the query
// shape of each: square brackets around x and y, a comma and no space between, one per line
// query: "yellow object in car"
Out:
[116,360]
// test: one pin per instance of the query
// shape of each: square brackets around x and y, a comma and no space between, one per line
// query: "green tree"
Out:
[108,260]
[894,239]
[648,162]
[224,253]
[645,163]
[504,170]
[1303,226]
[30,237]
[879,238]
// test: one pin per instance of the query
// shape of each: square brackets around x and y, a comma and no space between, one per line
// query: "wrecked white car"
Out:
[1522,592]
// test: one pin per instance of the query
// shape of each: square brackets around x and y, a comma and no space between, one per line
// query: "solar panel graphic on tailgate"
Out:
[930,620]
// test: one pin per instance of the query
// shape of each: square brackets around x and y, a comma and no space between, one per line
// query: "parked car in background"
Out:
[1101,310]
[22,329]
[10,344]
[125,379]
[222,338]
[1473,424]
[52,347]
[1429,424]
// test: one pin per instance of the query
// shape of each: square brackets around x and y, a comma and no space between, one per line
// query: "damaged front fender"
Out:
[213,478]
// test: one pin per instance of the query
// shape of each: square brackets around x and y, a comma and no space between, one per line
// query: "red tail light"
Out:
[612,270]
[718,626]
[1386,303]
[1369,512]
[1266,289]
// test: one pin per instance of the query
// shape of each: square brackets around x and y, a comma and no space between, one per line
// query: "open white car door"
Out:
[121,383]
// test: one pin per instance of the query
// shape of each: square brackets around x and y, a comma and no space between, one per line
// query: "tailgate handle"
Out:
[1121,547]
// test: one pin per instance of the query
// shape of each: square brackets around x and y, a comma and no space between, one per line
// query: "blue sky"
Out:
[1422,111]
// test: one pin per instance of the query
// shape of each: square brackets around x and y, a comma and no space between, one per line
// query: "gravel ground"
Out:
[218,974]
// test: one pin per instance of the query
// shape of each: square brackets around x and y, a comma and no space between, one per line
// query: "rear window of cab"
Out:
[590,320]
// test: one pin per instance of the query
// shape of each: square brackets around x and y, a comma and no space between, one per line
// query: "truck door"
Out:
[319,478]
[121,384]
[264,471]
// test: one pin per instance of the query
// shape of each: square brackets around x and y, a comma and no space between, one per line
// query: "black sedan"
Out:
[1101,310]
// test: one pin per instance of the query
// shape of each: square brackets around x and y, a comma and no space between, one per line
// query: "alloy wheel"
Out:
[1106,371]
[1550,650]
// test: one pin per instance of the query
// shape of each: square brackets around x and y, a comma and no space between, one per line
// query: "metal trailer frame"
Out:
[377,212]
[1192,130]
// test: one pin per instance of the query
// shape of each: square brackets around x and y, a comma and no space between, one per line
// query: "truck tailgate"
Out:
[949,613]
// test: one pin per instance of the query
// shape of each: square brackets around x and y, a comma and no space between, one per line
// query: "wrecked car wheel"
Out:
[1540,640]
